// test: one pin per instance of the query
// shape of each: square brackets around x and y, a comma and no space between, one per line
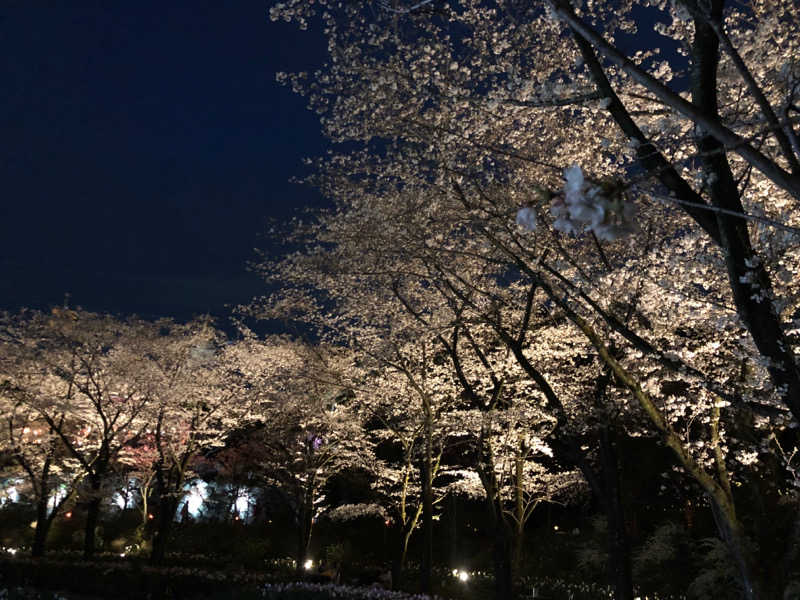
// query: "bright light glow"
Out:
[10,494]
[308,565]
[242,504]
[123,500]
[12,551]
[463,576]
[68,514]
[455,572]
[57,496]
[196,494]
[555,527]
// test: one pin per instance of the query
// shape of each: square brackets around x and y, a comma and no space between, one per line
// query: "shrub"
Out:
[329,591]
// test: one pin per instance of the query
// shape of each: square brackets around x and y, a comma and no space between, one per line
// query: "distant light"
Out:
[122,555]
[150,516]
[455,572]
[12,551]
[243,502]
[196,496]
[68,514]
[10,495]
[33,524]
[388,522]
[463,576]
[555,527]
[308,565]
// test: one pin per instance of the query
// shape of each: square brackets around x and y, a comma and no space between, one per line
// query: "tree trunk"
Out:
[92,519]
[141,529]
[517,549]
[501,534]
[42,528]
[518,531]
[455,555]
[427,525]
[602,483]
[501,555]
[619,562]
[427,501]
[167,507]
[305,521]
[731,533]
[399,537]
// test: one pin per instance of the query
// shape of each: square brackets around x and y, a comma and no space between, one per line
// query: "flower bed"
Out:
[329,591]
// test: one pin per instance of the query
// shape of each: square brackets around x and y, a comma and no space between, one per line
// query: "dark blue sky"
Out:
[144,146]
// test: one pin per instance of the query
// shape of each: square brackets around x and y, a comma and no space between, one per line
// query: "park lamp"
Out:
[308,565]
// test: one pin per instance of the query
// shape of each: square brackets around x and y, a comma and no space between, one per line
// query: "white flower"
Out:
[573,180]
[526,218]
[586,207]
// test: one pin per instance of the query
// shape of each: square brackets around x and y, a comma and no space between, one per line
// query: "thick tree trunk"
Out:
[398,540]
[42,528]
[731,534]
[749,281]
[618,545]
[501,534]
[501,556]
[619,562]
[517,549]
[92,519]
[167,507]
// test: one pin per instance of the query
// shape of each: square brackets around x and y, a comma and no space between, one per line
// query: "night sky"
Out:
[145,145]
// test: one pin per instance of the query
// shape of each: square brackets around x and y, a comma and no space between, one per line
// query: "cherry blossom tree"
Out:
[202,388]
[38,452]
[400,440]
[309,431]
[384,341]
[79,379]
[497,88]
[638,208]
